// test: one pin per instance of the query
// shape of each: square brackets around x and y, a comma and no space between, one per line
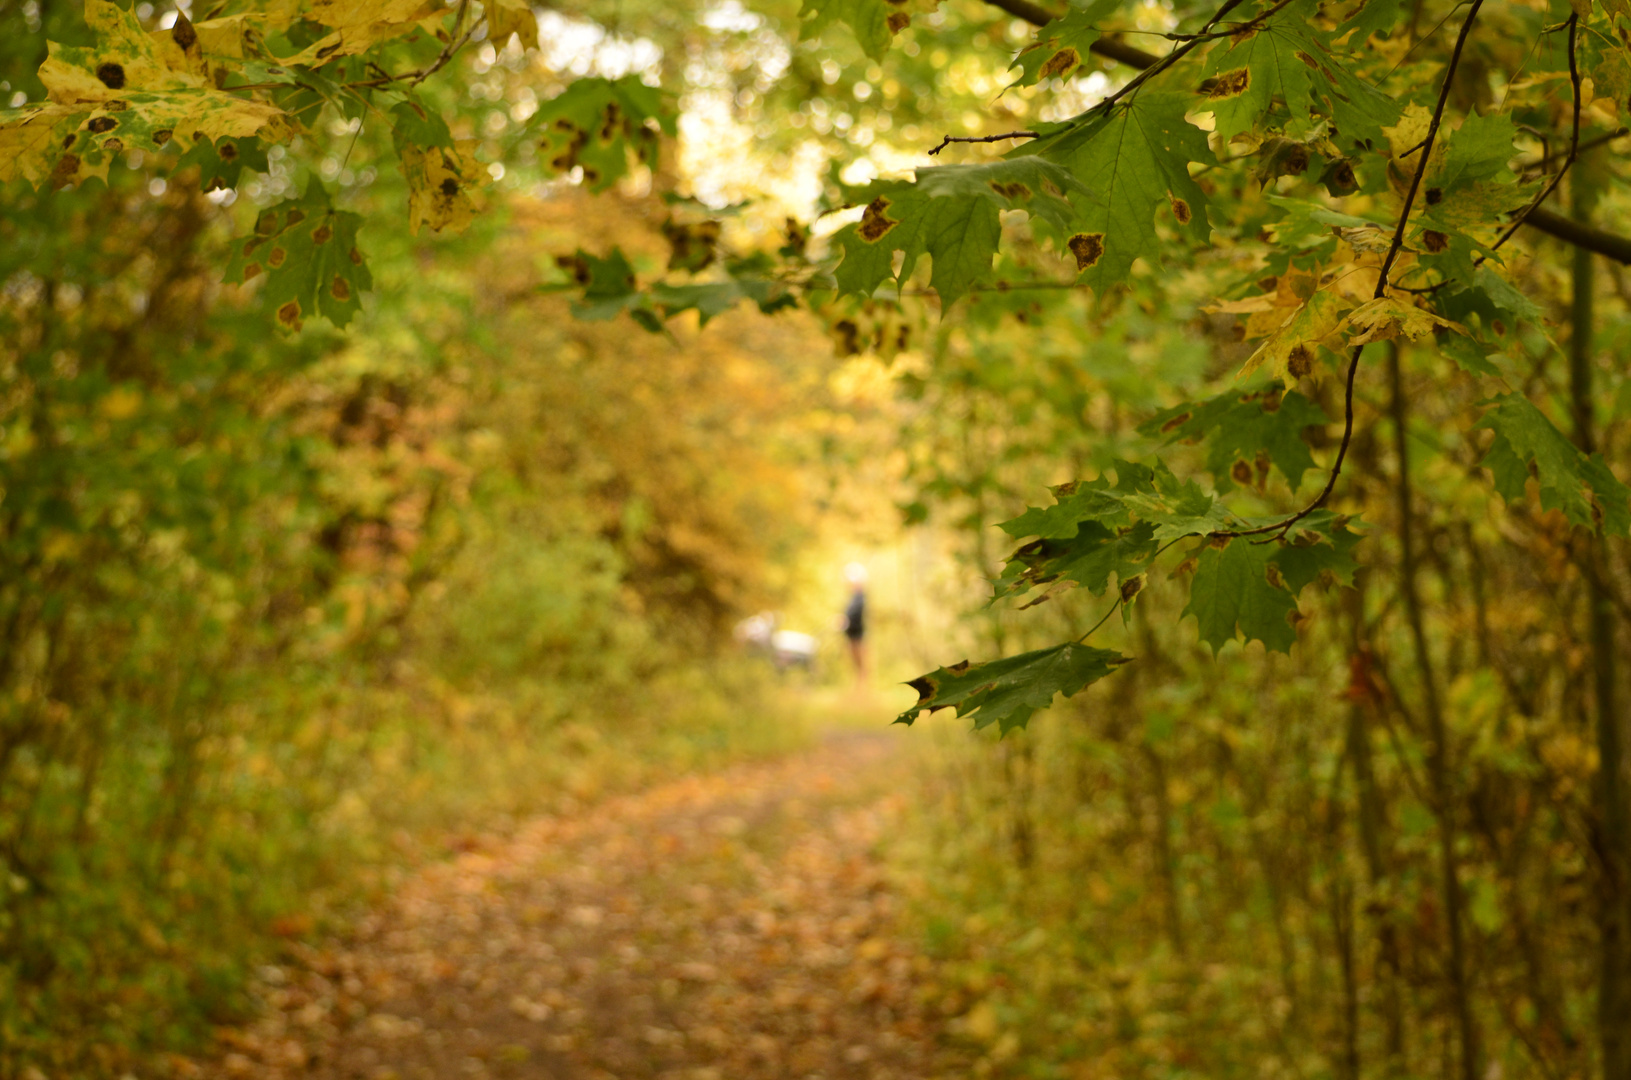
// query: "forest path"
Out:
[724,926]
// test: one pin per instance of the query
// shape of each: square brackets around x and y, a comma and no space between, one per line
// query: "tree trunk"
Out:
[1438,759]
[1614,976]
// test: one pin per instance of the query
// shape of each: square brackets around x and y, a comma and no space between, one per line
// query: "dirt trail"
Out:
[721,927]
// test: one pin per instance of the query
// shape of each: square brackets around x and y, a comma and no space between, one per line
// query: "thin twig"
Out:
[949,139]
[1280,528]
[1121,598]
[1539,166]
[1574,139]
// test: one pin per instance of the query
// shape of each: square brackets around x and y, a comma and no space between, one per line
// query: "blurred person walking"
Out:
[855,619]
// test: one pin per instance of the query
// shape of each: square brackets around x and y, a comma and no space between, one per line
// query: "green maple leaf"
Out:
[1089,559]
[1582,487]
[1370,17]
[1498,306]
[599,124]
[874,22]
[1063,44]
[952,214]
[1323,545]
[1172,508]
[221,162]
[1007,692]
[1287,60]
[306,253]
[716,298]
[1133,158]
[1235,588]
[1237,426]
[1480,149]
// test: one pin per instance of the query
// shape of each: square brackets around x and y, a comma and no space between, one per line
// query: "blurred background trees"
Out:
[277,609]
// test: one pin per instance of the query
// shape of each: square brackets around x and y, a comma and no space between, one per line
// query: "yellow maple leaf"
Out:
[444,186]
[506,17]
[1386,317]
[1290,350]
[359,25]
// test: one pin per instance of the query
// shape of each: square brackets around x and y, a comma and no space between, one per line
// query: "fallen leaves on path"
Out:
[732,925]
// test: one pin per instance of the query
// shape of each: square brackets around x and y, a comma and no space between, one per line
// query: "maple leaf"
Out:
[1133,159]
[1582,487]
[1237,427]
[1088,559]
[444,178]
[306,253]
[599,124]
[1152,494]
[874,22]
[1235,588]
[358,25]
[506,17]
[1062,44]
[951,213]
[128,91]
[1008,692]
[1286,60]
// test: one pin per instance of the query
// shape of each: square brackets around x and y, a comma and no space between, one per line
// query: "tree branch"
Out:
[1280,528]
[1109,48]
[949,139]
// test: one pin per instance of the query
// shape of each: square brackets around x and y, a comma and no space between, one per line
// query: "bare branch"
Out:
[949,139]
[1574,137]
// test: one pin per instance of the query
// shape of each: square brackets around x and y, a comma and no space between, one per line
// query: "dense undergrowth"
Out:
[1235,865]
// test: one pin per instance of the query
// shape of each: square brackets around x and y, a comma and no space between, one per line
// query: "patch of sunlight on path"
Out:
[726,926]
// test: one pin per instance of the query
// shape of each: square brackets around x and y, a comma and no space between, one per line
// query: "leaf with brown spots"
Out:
[1132,162]
[952,214]
[1061,45]
[305,254]
[1008,692]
